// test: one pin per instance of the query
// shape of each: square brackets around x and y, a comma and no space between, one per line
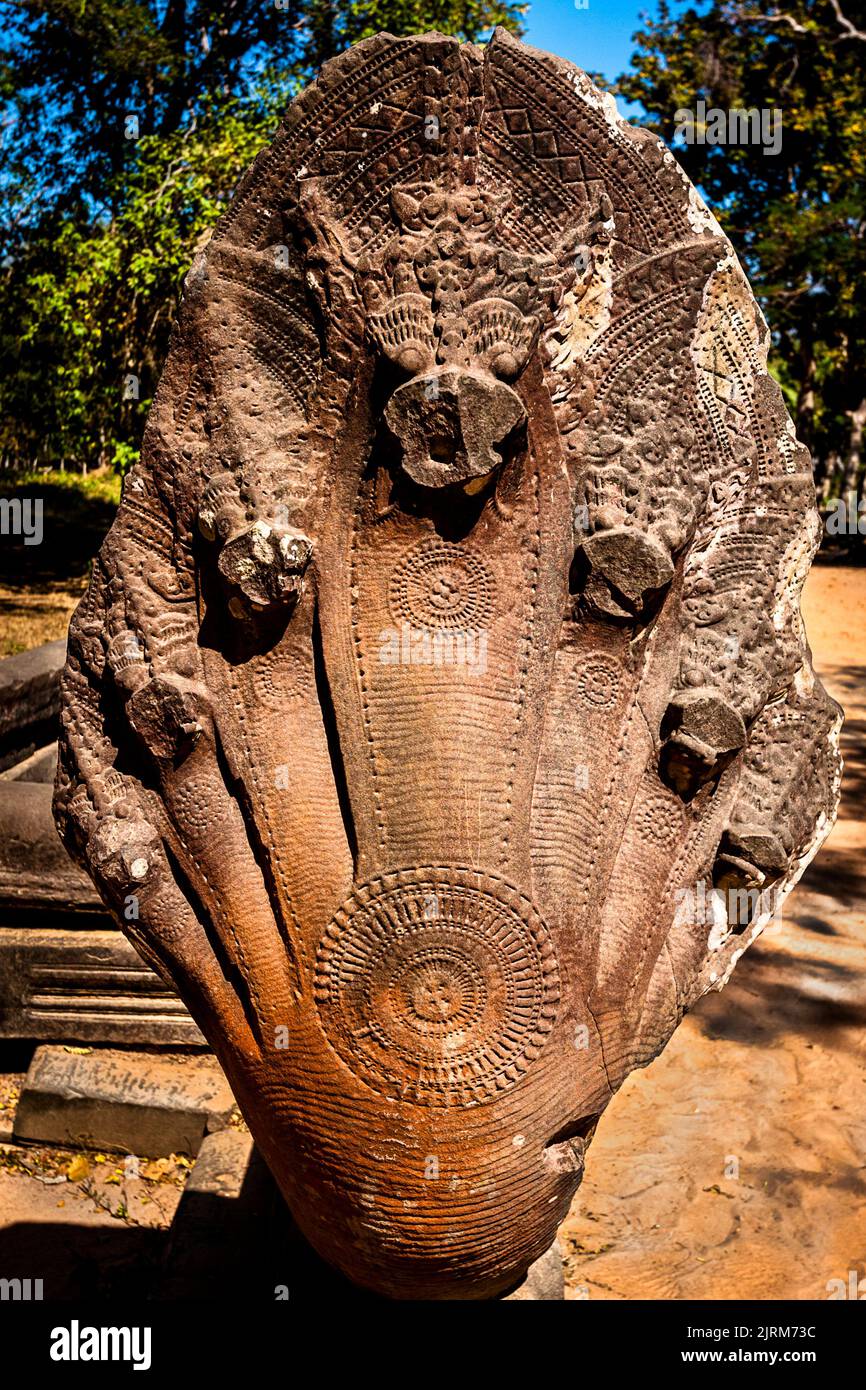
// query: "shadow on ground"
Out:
[73,526]
[245,1247]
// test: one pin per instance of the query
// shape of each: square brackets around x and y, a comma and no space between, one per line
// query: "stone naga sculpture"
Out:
[443,671]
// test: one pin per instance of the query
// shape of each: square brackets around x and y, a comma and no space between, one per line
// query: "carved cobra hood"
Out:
[443,671]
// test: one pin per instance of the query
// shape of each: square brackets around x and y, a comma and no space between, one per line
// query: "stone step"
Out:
[40,766]
[228,1218]
[130,1102]
[85,985]
[67,973]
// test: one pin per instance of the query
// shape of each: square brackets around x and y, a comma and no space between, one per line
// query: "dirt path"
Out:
[735,1166]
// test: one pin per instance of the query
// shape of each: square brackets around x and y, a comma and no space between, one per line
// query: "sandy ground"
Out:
[735,1165]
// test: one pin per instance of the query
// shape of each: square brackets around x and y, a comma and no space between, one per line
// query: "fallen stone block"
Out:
[36,873]
[227,1218]
[222,1166]
[40,766]
[29,700]
[67,974]
[131,1102]
[544,1281]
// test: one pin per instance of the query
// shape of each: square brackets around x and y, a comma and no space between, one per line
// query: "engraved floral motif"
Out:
[440,987]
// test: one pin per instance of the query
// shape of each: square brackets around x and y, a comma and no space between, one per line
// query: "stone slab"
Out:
[222,1166]
[227,1220]
[29,700]
[77,985]
[232,1216]
[35,870]
[545,1280]
[40,766]
[67,974]
[131,1102]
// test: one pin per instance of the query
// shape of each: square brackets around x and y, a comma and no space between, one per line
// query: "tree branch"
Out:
[851,32]
[846,23]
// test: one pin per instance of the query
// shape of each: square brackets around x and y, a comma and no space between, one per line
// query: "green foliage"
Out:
[96,229]
[82,489]
[74,70]
[797,218]
[89,300]
[334,27]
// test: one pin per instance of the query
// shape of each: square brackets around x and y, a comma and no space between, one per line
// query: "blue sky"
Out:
[597,38]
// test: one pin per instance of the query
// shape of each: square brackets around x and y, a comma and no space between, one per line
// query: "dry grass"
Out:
[28,620]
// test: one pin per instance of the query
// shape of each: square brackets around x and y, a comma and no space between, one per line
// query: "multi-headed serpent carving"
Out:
[444,660]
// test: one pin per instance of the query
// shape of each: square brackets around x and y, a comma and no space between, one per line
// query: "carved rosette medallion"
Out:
[273,685]
[441,586]
[597,681]
[439,986]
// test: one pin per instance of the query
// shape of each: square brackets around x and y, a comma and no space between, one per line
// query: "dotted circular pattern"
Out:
[274,685]
[437,986]
[195,805]
[660,822]
[597,680]
[439,585]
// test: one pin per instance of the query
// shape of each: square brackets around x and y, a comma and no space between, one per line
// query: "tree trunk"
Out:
[806,397]
[855,449]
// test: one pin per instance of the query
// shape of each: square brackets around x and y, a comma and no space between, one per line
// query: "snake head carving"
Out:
[444,660]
